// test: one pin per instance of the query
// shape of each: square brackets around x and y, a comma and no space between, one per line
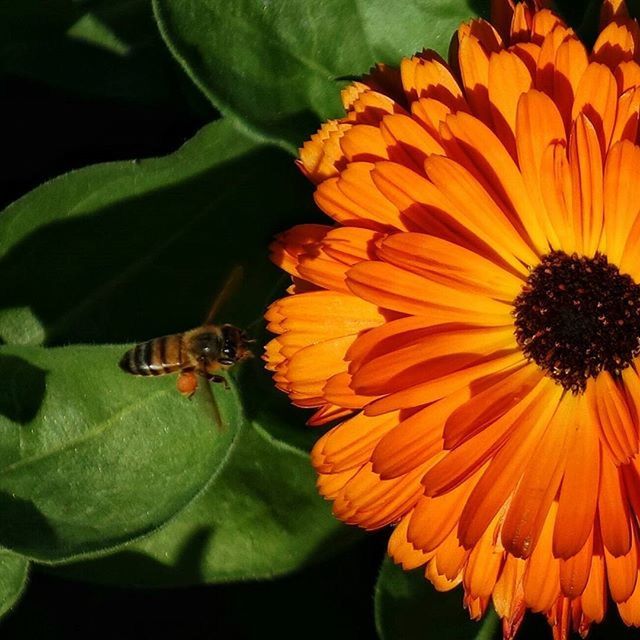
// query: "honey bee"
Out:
[204,351]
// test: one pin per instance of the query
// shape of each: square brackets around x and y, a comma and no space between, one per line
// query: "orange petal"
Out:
[630,609]
[477,210]
[484,564]
[630,262]
[371,503]
[504,95]
[585,162]
[353,198]
[425,207]
[473,59]
[528,53]
[433,519]
[537,489]
[622,572]
[363,143]
[422,394]
[430,113]
[310,367]
[322,157]
[613,510]
[627,76]
[616,43]
[402,551]
[328,413]
[505,470]
[288,246]
[339,391]
[621,196]
[430,77]
[331,484]
[450,264]
[574,572]
[464,460]
[501,16]
[406,139]
[594,597]
[579,492]
[612,10]
[438,354]
[397,289]
[618,426]
[538,125]
[369,107]
[521,23]
[543,23]
[349,445]
[481,152]
[542,575]
[597,98]
[344,314]
[508,596]
[487,405]
[626,127]
[451,557]
[416,439]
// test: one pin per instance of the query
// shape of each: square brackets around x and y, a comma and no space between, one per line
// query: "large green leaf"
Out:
[13,579]
[90,457]
[276,65]
[126,251]
[408,608]
[260,518]
[120,252]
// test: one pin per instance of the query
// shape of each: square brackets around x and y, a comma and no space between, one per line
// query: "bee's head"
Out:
[233,347]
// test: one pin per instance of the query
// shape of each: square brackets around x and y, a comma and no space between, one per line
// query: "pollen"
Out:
[578,316]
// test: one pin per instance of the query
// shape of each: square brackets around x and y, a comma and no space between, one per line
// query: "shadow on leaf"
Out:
[22,389]
[149,264]
[18,516]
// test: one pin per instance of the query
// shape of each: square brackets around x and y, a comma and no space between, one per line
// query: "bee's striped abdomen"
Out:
[154,357]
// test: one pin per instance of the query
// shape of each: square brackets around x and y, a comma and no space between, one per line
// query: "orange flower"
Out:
[474,316]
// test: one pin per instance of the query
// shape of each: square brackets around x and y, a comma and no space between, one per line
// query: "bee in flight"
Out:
[200,352]
[204,351]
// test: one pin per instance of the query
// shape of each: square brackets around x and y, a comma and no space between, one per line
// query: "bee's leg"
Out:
[219,379]
[187,383]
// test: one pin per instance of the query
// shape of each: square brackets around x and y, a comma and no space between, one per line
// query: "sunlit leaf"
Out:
[277,66]
[91,457]
[13,578]
[260,518]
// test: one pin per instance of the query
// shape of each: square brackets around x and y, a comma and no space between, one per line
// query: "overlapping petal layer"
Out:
[447,184]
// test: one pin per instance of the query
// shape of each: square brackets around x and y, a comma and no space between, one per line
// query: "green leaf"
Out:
[276,66]
[13,579]
[91,457]
[96,48]
[260,518]
[127,251]
[408,607]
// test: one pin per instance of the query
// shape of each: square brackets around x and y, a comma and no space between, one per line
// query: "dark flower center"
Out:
[578,316]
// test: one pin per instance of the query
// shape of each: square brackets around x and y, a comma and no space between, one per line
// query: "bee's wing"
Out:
[207,394]
[230,285]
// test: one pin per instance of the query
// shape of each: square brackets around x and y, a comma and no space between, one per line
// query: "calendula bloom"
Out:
[471,315]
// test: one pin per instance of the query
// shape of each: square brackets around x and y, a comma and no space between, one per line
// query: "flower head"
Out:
[472,315]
